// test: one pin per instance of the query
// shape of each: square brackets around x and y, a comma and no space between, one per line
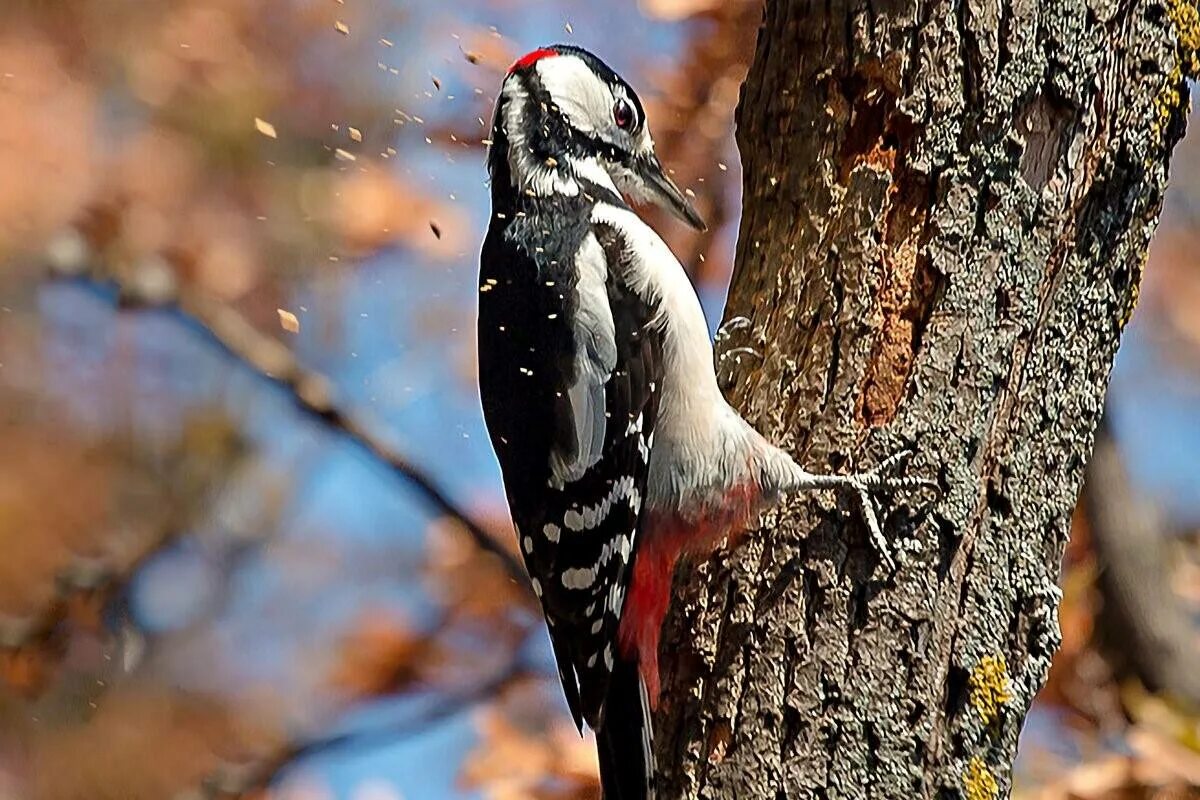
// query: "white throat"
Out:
[590,169]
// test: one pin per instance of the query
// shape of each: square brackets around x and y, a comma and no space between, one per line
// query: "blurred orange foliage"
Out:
[529,751]
[142,123]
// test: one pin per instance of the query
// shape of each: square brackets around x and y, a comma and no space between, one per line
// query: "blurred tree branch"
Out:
[79,566]
[313,393]
[1143,626]
[380,734]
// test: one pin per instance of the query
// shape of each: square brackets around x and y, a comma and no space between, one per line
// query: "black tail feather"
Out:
[625,739]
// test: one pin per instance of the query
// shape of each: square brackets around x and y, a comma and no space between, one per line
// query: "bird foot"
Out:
[883,478]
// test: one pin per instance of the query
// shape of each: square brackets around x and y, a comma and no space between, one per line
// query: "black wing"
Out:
[570,397]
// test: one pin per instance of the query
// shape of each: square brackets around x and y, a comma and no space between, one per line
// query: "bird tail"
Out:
[625,739]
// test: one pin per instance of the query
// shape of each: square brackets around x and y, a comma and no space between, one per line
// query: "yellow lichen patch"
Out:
[989,687]
[979,783]
[1185,16]
[1168,101]
[1185,19]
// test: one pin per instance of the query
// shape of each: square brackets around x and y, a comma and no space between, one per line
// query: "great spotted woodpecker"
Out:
[618,451]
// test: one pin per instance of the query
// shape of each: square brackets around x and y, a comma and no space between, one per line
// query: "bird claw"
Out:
[883,478]
[878,540]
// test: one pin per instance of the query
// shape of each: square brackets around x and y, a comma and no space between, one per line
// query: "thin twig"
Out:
[386,734]
[313,392]
[1144,628]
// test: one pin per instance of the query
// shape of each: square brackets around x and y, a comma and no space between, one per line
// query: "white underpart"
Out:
[702,448]
[595,359]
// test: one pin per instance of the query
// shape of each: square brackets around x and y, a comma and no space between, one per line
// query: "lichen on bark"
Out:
[947,211]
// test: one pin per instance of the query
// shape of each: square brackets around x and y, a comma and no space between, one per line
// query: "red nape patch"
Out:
[531,58]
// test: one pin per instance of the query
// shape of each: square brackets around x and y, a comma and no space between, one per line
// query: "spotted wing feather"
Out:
[577,523]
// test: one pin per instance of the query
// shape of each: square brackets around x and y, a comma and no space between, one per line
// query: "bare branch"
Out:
[1152,628]
[251,777]
[313,392]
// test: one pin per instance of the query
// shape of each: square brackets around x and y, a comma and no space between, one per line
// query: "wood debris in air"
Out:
[288,321]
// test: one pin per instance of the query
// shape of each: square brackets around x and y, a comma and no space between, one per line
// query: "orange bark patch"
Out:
[910,288]
[877,136]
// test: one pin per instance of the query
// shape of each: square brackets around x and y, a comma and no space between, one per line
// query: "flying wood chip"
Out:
[264,127]
[288,321]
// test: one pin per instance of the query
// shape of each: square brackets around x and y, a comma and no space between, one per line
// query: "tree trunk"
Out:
[947,211]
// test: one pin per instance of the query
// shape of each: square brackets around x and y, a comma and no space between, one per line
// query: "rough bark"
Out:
[947,212]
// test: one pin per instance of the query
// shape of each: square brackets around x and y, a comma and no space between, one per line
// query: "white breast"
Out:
[700,445]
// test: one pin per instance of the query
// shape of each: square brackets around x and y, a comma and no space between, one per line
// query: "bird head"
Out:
[566,123]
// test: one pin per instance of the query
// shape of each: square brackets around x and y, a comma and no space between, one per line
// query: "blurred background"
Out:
[252,537]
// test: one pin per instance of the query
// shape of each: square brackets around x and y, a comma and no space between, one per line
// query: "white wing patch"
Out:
[589,517]
[595,359]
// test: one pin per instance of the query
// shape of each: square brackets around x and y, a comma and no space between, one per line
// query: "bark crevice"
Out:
[947,208]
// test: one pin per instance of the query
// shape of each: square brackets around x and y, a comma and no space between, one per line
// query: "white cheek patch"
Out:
[584,99]
[591,170]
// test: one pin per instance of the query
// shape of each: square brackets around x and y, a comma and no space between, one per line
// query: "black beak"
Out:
[665,194]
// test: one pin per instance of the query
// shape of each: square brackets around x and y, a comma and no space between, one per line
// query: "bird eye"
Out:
[623,115]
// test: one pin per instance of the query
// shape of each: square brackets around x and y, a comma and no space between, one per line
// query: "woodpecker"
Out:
[618,451]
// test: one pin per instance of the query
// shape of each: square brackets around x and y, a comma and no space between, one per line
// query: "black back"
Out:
[527,352]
